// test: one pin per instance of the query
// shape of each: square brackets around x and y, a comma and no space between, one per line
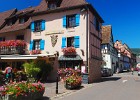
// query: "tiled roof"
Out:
[106,33]
[16,26]
[4,15]
[42,7]
[64,4]
[69,3]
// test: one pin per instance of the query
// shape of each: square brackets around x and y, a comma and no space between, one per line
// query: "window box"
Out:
[69,51]
[35,52]
[12,47]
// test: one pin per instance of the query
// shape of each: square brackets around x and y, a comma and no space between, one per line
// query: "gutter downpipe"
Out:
[87,31]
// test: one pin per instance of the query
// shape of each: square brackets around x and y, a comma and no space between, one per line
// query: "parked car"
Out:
[106,72]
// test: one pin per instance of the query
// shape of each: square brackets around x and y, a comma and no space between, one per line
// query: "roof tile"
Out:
[106,33]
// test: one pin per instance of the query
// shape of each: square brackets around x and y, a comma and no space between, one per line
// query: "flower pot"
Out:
[70,86]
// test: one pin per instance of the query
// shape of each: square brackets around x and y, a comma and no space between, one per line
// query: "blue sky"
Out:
[123,15]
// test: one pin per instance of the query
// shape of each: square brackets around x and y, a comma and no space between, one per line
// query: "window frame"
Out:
[52,5]
[37,24]
[34,44]
[71,21]
[70,42]
[21,20]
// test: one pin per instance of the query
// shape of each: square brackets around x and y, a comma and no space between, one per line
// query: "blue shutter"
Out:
[77,19]
[64,21]
[76,41]
[42,44]
[32,26]
[63,42]
[43,25]
[31,45]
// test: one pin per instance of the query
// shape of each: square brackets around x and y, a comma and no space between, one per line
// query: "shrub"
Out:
[31,69]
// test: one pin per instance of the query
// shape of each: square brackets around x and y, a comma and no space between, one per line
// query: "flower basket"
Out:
[23,91]
[69,51]
[73,82]
[70,86]
[33,52]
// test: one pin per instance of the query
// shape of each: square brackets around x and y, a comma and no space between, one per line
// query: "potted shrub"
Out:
[73,81]
[72,78]
[31,70]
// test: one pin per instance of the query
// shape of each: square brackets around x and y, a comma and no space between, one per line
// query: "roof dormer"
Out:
[53,4]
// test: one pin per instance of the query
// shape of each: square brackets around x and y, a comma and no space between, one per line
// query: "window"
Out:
[36,45]
[96,24]
[70,42]
[71,21]
[38,26]
[2,38]
[9,23]
[52,5]
[21,21]
[20,37]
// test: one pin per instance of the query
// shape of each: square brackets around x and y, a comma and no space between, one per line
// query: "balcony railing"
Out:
[12,50]
[12,47]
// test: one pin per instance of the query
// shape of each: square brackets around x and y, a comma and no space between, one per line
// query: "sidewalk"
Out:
[50,90]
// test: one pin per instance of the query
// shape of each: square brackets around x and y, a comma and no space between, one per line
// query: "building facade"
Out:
[56,26]
[109,53]
[125,58]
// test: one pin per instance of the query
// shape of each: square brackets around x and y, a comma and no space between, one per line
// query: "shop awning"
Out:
[24,57]
[70,58]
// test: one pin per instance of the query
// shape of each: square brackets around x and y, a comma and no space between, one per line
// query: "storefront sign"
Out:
[85,78]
